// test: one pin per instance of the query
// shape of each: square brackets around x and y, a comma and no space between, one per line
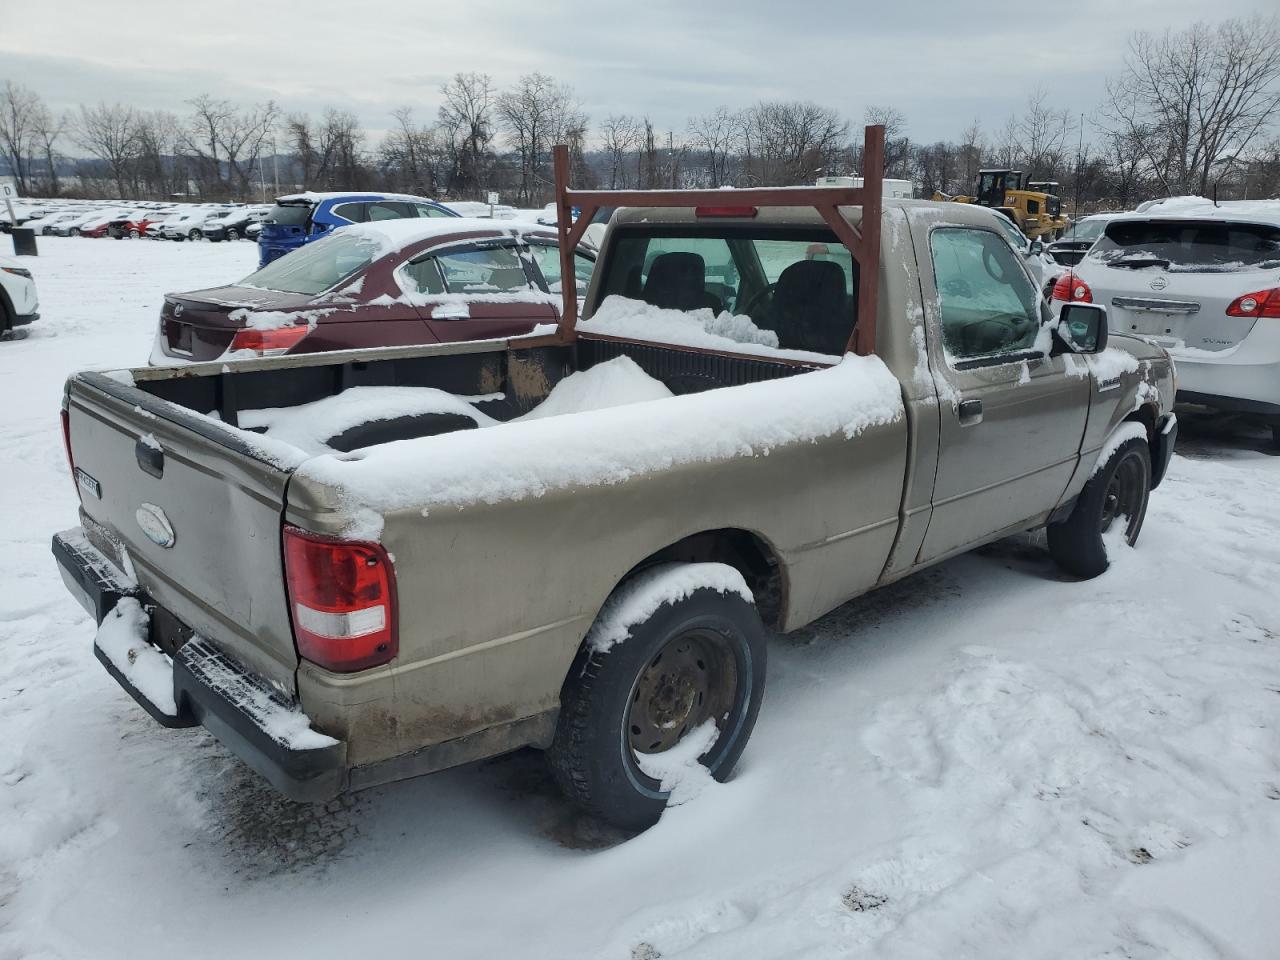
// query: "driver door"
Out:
[1012,427]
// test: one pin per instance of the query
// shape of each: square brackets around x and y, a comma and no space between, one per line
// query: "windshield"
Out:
[1086,230]
[290,214]
[1192,246]
[317,266]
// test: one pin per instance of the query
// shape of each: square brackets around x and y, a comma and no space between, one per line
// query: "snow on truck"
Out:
[361,566]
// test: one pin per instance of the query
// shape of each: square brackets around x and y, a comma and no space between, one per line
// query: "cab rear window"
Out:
[1193,246]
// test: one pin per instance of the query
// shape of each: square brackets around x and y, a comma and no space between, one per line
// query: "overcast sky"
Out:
[942,63]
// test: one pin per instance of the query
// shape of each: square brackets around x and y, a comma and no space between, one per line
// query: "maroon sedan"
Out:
[384,284]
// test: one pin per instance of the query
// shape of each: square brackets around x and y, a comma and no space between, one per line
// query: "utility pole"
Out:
[1075,213]
[671,158]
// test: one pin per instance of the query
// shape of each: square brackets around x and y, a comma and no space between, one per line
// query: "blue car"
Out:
[298,219]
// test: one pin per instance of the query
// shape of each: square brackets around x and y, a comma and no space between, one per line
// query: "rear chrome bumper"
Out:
[255,721]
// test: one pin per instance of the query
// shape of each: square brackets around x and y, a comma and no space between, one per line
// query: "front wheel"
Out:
[1117,493]
[233,234]
[193,236]
[694,660]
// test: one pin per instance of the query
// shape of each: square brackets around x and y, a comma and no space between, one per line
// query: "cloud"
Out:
[940,63]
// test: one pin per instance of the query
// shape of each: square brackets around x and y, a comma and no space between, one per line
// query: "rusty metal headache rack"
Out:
[863,242]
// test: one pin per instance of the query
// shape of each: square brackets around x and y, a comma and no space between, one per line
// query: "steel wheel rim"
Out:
[691,679]
[1123,495]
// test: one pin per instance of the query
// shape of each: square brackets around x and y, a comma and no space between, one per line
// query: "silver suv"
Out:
[1204,283]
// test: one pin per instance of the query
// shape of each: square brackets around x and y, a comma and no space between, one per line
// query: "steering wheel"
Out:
[755,300]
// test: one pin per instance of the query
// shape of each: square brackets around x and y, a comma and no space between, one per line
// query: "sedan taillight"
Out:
[342,594]
[269,343]
[1263,303]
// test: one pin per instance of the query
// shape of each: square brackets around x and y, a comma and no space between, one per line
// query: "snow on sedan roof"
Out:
[394,235]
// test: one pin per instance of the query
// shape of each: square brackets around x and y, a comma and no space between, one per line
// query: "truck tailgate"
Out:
[151,472]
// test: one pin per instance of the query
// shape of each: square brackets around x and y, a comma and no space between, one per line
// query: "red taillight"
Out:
[1263,303]
[66,445]
[1071,289]
[268,342]
[342,594]
[724,211]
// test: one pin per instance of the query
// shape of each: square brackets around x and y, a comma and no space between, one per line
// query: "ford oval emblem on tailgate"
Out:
[155,525]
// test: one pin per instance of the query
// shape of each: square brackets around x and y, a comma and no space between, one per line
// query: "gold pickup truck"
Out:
[358,567]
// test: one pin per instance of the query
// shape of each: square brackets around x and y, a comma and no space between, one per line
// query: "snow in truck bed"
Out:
[530,457]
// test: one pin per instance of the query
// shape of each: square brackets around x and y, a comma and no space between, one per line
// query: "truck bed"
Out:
[173,438]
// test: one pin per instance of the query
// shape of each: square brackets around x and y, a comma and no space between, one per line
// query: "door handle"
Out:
[970,412]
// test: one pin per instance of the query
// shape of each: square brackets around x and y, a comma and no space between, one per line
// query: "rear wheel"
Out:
[698,659]
[233,233]
[1117,493]
[193,235]
[134,234]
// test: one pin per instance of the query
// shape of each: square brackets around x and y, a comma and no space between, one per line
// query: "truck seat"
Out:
[810,308]
[678,281]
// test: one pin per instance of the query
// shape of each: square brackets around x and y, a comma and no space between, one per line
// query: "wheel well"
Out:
[746,552]
[1145,415]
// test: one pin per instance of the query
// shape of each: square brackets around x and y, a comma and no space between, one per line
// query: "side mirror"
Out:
[1037,247]
[1081,328]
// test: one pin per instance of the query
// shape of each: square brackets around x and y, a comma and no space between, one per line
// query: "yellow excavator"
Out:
[1036,210]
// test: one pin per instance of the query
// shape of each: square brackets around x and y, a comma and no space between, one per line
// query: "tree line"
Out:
[1190,111]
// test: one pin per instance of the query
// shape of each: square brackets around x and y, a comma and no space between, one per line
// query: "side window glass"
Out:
[548,260]
[390,210]
[989,307]
[495,270]
[426,276]
[350,211]
[426,210]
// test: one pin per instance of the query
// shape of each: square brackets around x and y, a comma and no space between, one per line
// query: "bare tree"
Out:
[621,134]
[409,154]
[718,135]
[536,114]
[897,146]
[789,142]
[467,118]
[972,145]
[19,109]
[226,141]
[47,129]
[1042,134]
[110,133]
[1193,99]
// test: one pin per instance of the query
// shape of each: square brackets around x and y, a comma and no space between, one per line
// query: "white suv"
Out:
[1204,283]
[18,302]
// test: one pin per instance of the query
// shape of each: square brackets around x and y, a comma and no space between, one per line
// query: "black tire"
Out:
[73,232]
[592,756]
[134,234]
[233,233]
[1121,488]
[193,236]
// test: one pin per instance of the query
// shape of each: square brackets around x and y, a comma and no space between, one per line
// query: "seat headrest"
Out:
[677,281]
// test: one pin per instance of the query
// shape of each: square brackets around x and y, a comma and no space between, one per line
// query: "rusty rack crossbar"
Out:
[863,242]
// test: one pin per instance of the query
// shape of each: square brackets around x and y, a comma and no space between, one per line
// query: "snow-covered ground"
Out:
[984,761]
